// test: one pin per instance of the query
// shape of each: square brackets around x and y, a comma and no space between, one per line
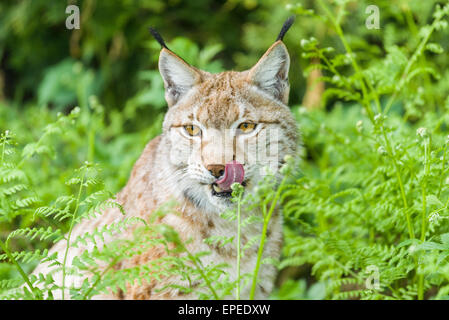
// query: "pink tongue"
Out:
[234,172]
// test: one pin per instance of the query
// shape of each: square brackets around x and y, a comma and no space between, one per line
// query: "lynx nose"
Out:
[217,170]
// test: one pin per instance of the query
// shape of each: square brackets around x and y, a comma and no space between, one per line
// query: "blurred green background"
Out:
[113,57]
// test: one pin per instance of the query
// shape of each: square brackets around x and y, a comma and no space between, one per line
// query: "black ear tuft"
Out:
[287,24]
[158,37]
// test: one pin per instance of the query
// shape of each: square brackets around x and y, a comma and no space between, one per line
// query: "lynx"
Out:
[211,138]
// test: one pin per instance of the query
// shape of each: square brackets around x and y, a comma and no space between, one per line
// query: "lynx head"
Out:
[226,127]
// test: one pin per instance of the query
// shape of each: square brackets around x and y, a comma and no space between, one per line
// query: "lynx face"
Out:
[225,126]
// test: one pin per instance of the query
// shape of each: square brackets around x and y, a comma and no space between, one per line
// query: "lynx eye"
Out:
[192,130]
[246,127]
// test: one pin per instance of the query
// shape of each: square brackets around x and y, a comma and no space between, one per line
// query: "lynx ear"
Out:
[179,77]
[271,72]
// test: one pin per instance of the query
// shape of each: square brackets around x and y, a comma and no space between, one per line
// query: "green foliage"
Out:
[375,196]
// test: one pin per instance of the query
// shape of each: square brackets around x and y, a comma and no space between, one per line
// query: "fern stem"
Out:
[411,232]
[354,63]
[427,144]
[91,140]
[198,265]
[72,223]
[442,171]
[421,287]
[112,264]
[418,52]
[366,99]
[266,220]
[238,243]
[3,151]
[19,268]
